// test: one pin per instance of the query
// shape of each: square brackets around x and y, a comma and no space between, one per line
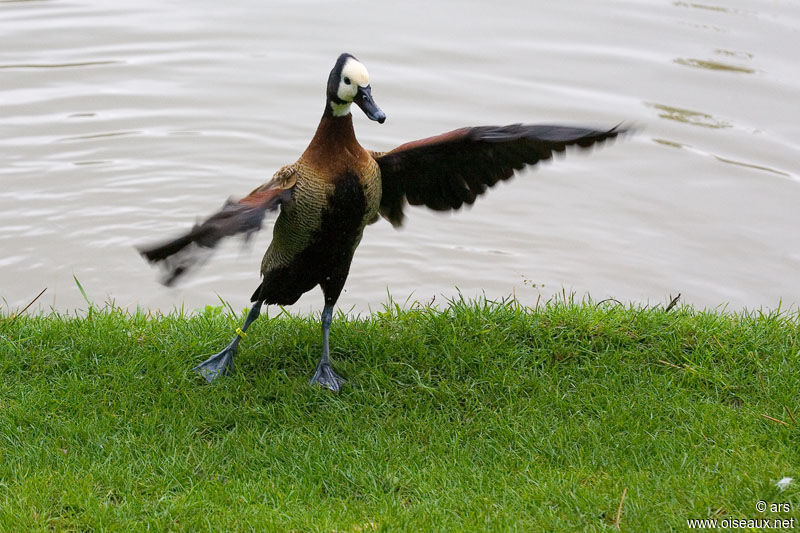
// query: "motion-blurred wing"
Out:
[180,255]
[449,170]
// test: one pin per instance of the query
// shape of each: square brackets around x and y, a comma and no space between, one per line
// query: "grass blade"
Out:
[83,292]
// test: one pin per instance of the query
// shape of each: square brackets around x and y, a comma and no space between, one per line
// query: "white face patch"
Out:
[354,75]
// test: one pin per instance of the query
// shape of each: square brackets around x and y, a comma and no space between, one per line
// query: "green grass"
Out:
[478,416]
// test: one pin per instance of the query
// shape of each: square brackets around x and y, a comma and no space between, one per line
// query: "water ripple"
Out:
[719,9]
[58,65]
[125,121]
[99,136]
[727,160]
[712,65]
[753,166]
[688,116]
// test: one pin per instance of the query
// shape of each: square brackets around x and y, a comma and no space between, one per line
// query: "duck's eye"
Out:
[346,80]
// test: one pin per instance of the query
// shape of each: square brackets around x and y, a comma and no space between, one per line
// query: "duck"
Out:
[336,188]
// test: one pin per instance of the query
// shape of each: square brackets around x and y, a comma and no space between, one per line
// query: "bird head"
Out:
[348,83]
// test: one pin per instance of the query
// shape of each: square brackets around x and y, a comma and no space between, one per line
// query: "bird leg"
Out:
[220,364]
[325,375]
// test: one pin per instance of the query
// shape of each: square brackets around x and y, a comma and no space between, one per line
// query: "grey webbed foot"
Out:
[326,377]
[219,364]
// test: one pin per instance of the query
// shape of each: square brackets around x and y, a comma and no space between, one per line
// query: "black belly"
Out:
[325,261]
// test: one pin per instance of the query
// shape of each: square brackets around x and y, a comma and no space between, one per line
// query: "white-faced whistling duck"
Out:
[336,188]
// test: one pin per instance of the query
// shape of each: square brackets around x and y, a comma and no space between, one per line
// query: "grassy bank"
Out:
[473,416]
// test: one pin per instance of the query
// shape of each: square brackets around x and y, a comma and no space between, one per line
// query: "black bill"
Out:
[364,100]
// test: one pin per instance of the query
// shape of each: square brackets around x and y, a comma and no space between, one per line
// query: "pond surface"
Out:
[124,122]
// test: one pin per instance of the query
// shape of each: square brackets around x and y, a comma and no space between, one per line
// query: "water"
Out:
[123,122]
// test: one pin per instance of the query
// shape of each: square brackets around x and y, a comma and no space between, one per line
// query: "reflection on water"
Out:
[712,65]
[687,116]
[665,142]
[125,122]
[733,53]
[99,136]
[721,9]
[58,65]
[756,167]
[673,144]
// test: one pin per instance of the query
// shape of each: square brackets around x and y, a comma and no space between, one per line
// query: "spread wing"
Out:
[449,170]
[178,256]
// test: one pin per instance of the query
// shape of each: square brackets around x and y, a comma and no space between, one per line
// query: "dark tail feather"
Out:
[257,294]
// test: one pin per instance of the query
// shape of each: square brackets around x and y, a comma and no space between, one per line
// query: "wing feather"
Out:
[181,254]
[448,170]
